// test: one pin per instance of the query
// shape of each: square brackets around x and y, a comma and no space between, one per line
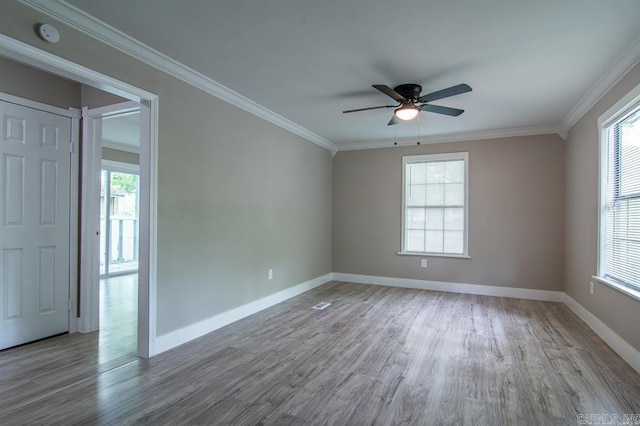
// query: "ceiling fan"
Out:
[410,103]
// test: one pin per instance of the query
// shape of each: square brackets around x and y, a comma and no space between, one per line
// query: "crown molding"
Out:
[627,60]
[89,25]
[454,137]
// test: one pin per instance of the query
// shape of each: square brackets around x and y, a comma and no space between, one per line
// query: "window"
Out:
[435,204]
[620,199]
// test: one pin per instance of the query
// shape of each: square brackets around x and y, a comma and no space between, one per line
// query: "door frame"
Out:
[89,318]
[147,276]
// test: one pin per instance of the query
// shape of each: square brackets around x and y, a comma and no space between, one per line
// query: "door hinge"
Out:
[71,147]
[69,304]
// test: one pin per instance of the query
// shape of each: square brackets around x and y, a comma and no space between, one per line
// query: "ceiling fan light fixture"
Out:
[406,112]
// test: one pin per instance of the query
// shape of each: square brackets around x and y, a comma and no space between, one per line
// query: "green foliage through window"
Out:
[125,182]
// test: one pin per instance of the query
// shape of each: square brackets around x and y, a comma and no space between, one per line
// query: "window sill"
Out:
[631,292]
[453,256]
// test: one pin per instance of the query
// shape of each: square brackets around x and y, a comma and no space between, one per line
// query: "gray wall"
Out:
[20,80]
[95,98]
[121,156]
[516,208]
[236,195]
[615,309]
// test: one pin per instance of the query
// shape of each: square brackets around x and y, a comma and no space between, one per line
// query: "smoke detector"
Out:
[48,33]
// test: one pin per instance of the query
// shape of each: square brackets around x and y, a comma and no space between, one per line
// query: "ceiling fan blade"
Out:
[394,120]
[390,92]
[445,93]
[367,109]
[454,112]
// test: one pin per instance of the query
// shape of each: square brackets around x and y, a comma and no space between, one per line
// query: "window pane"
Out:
[415,218]
[629,134]
[454,219]
[454,242]
[454,194]
[415,240]
[435,172]
[415,195]
[416,173]
[435,194]
[434,242]
[435,218]
[454,172]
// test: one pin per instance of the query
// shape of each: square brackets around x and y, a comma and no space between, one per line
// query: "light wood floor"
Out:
[118,337]
[377,355]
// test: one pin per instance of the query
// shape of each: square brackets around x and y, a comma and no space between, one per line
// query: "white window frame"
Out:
[619,110]
[454,156]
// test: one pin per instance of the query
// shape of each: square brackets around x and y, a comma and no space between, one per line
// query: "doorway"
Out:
[89,239]
[119,234]
[112,204]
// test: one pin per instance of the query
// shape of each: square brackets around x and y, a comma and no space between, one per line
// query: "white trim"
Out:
[602,173]
[121,108]
[118,166]
[455,137]
[148,268]
[74,221]
[485,290]
[91,26]
[427,158]
[630,354]
[198,329]
[89,318]
[627,60]
[30,55]
[150,169]
[69,112]
[418,254]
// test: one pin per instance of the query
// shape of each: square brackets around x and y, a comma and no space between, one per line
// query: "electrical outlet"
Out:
[423,263]
[591,287]
[270,274]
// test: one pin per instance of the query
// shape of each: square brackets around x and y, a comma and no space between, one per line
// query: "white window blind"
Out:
[435,204]
[620,209]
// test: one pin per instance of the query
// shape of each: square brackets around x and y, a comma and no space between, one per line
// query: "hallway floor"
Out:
[118,317]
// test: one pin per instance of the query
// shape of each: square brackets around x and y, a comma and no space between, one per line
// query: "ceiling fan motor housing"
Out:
[409,91]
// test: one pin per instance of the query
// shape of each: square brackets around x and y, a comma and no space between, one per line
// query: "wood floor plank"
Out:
[376,355]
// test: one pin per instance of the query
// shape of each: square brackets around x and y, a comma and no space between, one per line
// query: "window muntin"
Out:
[435,204]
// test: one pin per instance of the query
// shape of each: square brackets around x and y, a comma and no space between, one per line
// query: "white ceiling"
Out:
[529,62]
[122,132]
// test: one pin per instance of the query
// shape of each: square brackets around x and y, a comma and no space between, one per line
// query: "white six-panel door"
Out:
[34,224]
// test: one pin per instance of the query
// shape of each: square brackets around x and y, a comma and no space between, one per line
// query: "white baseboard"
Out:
[485,290]
[630,354]
[193,331]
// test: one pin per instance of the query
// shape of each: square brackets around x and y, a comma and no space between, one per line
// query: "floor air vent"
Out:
[321,305]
